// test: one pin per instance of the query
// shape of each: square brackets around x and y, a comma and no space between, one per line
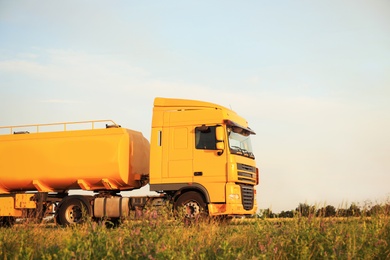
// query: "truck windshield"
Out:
[240,142]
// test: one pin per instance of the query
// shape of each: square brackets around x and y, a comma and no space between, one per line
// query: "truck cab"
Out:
[201,155]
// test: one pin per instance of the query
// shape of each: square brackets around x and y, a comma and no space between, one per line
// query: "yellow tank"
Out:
[95,159]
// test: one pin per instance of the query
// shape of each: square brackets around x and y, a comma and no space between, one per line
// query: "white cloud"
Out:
[60,101]
[27,68]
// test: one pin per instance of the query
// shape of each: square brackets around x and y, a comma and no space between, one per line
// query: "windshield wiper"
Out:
[239,150]
[245,152]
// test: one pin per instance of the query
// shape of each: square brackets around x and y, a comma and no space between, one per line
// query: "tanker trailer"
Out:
[37,170]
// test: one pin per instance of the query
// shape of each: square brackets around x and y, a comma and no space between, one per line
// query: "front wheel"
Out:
[7,221]
[73,211]
[193,205]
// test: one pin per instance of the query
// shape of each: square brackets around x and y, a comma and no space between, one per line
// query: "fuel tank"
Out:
[94,159]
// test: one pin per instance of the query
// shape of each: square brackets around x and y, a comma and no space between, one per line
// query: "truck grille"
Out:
[246,173]
[248,196]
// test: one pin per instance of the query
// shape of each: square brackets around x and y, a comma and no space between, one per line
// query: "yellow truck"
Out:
[199,158]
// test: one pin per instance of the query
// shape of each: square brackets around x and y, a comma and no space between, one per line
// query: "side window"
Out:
[205,138]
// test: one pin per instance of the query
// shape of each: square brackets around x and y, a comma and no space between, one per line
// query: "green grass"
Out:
[166,238]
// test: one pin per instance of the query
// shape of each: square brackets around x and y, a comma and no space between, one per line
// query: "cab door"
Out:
[209,163]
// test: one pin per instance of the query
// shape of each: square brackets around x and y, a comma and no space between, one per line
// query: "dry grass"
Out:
[169,238]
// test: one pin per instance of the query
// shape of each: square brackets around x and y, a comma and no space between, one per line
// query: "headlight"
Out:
[234,196]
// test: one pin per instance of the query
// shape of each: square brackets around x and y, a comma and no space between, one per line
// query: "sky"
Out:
[311,77]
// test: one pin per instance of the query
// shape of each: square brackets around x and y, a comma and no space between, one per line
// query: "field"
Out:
[169,238]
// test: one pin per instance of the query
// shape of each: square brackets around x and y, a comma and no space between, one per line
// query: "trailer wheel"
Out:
[193,205]
[72,211]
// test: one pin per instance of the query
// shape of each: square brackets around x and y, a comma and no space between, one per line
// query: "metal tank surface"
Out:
[111,158]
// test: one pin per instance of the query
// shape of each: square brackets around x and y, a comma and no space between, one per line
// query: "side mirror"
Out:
[220,136]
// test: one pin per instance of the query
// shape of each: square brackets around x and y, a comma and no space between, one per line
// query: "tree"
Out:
[304,210]
[379,209]
[341,213]
[375,210]
[328,211]
[353,211]
[286,214]
[267,213]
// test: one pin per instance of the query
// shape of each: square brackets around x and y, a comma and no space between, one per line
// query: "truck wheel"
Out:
[72,211]
[7,221]
[193,205]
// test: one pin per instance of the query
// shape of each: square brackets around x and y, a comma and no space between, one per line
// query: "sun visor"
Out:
[231,123]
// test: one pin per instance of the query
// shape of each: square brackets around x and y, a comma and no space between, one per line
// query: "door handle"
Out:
[198,173]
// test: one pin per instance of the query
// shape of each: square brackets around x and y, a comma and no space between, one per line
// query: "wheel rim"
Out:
[191,209]
[73,214]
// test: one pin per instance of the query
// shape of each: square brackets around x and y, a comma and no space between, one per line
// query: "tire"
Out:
[7,221]
[193,205]
[73,211]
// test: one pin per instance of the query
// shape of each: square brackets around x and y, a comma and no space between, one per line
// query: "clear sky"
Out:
[311,77]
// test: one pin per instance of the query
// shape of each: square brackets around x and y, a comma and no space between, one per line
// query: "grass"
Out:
[167,238]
